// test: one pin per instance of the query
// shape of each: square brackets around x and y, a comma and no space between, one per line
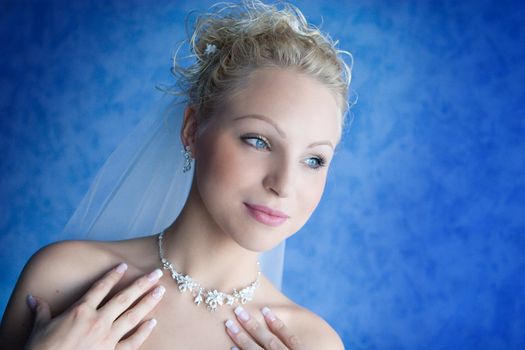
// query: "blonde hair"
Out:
[232,41]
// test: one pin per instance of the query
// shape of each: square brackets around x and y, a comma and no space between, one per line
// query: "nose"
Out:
[280,179]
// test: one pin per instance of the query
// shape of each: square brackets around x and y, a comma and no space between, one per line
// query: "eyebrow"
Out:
[279,130]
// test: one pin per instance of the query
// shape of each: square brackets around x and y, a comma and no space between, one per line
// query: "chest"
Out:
[187,335]
[184,325]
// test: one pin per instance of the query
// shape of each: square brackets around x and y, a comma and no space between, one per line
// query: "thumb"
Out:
[41,310]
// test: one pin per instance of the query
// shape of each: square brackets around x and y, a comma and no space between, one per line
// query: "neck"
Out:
[197,247]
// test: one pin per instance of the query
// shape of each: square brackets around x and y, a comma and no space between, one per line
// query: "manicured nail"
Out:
[152,323]
[234,348]
[158,292]
[155,275]
[268,313]
[122,268]
[31,301]
[243,315]
[232,326]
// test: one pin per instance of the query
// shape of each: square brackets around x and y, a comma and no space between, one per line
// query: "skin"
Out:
[214,239]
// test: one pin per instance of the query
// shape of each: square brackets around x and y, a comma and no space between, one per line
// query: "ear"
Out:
[188,133]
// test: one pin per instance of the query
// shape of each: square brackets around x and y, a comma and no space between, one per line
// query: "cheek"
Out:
[314,191]
[309,194]
[213,163]
[221,165]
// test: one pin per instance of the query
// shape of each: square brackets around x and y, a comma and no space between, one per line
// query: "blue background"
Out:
[419,242]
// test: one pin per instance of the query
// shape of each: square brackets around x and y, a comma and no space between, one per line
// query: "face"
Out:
[267,149]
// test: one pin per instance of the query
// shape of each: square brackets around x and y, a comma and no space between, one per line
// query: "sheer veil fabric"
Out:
[141,189]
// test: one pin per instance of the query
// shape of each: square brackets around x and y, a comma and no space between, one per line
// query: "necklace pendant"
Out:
[214,300]
[198,299]
[212,306]
[230,299]
[185,283]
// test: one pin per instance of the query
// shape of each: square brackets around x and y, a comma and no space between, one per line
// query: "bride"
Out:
[265,104]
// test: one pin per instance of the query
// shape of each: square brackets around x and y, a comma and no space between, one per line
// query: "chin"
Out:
[261,240]
[257,247]
[258,243]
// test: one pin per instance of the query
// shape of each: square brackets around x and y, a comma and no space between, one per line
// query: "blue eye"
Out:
[316,163]
[261,143]
[258,142]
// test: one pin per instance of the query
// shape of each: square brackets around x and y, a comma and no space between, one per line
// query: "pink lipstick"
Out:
[266,215]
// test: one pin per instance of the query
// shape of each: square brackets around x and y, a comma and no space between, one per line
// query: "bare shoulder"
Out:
[59,273]
[61,269]
[313,331]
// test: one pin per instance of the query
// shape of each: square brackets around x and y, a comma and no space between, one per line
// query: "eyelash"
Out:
[321,161]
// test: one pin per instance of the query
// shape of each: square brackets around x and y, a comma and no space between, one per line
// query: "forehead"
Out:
[292,100]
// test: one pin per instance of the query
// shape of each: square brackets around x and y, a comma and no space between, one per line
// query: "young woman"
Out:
[266,101]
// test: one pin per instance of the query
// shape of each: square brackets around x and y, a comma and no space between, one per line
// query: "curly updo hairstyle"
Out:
[232,40]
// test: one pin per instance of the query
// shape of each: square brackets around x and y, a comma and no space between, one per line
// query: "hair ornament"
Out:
[210,49]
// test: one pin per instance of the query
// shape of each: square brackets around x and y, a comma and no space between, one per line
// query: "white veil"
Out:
[141,189]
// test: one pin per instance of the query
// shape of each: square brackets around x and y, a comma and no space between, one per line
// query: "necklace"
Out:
[214,298]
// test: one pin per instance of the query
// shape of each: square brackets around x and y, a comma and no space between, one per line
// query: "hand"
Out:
[278,336]
[85,326]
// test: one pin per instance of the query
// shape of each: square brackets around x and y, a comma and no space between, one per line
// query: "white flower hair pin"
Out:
[210,49]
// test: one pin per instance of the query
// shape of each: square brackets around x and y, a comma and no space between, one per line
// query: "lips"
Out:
[267,210]
[266,215]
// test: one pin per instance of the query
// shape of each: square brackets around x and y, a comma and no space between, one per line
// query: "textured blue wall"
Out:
[419,242]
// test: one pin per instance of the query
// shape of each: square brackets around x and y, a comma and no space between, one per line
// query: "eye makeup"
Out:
[260,142]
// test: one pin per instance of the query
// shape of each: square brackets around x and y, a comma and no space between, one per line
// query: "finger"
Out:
[261,334]
[135,340]
[123,299]
[239,337]
[42,311]
[31,302]
[101,288]
[278,327]
[132,317]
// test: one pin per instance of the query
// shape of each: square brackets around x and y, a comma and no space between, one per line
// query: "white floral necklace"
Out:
[214,298]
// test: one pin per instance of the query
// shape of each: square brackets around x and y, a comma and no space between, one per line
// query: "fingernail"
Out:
[122,268]
[155,275]
[232,326]
[234,348]
[31,301]
[243,315]
[158,292]
[268,313]
[152,323]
